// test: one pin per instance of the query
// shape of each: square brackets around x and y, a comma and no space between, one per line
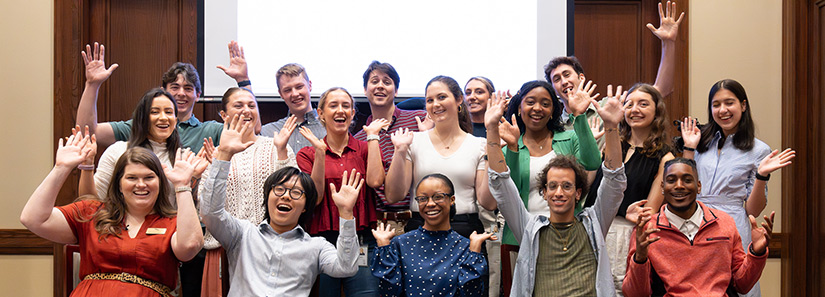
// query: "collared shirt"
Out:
[354,157]
[400,119]
[526,227]
[296,140]
[265,263]
[688,227]
[192,132]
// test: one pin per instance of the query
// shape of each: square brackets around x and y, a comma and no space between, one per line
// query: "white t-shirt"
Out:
[535,202]
[461,167]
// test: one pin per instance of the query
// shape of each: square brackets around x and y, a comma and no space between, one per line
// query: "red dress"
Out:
[147,256]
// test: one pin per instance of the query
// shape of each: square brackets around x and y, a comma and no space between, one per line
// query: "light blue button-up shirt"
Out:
[296,140]
[265,263]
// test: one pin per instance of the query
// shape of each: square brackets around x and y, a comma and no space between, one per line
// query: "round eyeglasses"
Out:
[294,193]
[437,197]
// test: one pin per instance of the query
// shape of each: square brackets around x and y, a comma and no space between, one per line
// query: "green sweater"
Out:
[578,142]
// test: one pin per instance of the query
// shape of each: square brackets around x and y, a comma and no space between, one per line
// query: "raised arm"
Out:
[237,69]
[691,136]
[86,186]
[96,74]
[188,239]
[375,165]
[667,32]
[614,181]
[399,176]
[757,200]
[280,140]
[319,164]
[39,215]
[341,262]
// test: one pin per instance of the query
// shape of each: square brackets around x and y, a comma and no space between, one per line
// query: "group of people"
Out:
[588,196]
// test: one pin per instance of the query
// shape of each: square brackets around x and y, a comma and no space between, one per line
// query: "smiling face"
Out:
[162,119]
[294,89]
[140,187]
[184,93]
[727,110]
[380,89]
[536,109]
[336,112]
[639,110]
[436,215]
[561,193]
[565,79]
[680,187]
[442,105]
[284,210]
[476,95]
[243,104]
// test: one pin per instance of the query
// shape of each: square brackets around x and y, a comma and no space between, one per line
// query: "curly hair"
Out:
[563,162]
[658,142]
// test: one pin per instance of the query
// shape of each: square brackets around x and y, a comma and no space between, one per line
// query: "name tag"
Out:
[362,256]
[155,231]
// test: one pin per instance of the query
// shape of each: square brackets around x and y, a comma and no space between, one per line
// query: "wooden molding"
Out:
[23,242]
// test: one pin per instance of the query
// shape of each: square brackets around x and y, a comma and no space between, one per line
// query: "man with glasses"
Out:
[561,255]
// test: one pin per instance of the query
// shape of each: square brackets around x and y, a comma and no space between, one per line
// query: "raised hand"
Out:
[316,143]
[376,126]
[496,106]
[92,144]
[205,158]
[581,98]
[643,239]
[96,71]
[426,124]
[596,127]
[232,138]
[209,149]
[73,153]
[761,236]
[690,132]
[345,198]
[668,24]
[401,139]
[383,234]
[612,112]
[775,160]
[237,63]
[476,240]
[509,131]
[635,209]
[281,138]
[180,174]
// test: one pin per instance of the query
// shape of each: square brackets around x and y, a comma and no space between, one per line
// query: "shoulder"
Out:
[116,149]
[760,147]
[566,135]
[83,208]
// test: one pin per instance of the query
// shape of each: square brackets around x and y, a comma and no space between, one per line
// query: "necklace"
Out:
[542,143]
[566,238]
[446,146]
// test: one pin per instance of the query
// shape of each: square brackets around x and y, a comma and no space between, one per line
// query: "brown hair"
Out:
[658,142]
[228,94]
[291,69]
[464,121]
[109,218]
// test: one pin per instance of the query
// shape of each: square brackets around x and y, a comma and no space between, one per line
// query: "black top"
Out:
[479,130]
[641,171]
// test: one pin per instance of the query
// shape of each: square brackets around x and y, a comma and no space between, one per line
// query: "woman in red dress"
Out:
[129,241]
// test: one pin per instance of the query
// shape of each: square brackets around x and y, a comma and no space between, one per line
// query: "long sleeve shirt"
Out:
[265,263]
[704,266]
[526,227]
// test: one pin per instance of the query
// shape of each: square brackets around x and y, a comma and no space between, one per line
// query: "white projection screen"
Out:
[506,41]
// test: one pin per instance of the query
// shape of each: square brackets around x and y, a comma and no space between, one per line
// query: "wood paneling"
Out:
[23,242]
[803,210]
[615,47]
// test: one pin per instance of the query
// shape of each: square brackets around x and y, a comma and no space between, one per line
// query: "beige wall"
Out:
[742,39]
[26,75]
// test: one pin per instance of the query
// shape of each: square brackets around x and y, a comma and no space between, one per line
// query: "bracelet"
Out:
[244,83]
[183,189]
[763,177]
[687,148]
[85,167]
[373,137]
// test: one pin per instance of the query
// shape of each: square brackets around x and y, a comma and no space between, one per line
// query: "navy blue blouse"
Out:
[429,263]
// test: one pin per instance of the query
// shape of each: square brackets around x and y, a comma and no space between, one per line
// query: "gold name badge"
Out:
[155,231]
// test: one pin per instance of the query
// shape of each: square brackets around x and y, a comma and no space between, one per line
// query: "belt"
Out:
[161,289]
[401,216]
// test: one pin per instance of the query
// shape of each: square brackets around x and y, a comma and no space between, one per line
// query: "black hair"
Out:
[558,61]
[680,160]
[383,67]
[743,138]
[554,124]
[141,124]
[283,175]
[444,179]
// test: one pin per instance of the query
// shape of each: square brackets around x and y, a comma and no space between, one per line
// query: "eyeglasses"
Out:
[437,197]
[295,194]
[565,187]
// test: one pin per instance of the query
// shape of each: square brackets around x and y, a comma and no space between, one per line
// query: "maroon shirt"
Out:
[400,119]
[354,156]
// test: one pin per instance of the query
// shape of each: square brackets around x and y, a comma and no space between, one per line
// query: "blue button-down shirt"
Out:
[265,263]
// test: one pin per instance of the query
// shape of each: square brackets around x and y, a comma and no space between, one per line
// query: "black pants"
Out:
[191,275]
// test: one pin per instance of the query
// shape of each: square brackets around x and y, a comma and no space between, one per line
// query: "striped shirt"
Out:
[400,119]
